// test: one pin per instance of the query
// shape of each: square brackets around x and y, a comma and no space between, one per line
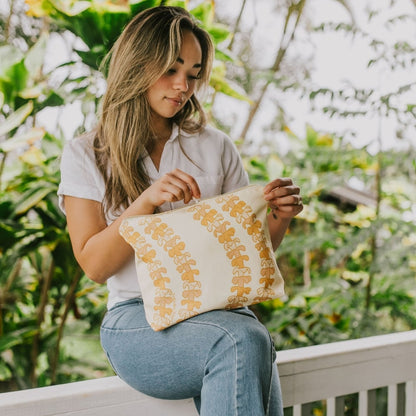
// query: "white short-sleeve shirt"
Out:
[209,156]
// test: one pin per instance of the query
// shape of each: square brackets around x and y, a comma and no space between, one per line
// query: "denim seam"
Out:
[236,355]
[141,328]
[271,376]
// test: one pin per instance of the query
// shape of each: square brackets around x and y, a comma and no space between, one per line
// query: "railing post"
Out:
[304,409]
[396,397]
[297,410]
[335,406]
[411,398]
[367,403]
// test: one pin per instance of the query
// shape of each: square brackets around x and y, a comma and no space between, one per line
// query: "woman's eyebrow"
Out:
[181,61]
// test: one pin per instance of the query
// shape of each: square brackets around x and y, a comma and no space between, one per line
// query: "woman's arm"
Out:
[285,202]
[98,248]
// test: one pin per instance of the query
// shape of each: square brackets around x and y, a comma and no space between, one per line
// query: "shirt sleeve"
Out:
[80,176]
[235,175]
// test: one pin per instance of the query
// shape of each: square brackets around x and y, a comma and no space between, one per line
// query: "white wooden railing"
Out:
[324,373]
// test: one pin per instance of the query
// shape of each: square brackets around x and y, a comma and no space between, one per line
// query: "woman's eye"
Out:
[171,71]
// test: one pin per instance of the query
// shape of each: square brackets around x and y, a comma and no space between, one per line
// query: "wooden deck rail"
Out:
[323,372]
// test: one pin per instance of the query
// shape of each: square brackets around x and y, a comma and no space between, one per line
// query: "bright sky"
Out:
[335,60]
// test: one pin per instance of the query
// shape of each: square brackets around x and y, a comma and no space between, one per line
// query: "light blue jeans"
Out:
[225,360]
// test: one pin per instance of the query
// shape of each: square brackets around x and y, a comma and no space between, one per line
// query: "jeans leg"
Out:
[241,376]
[275,397]
[224,359]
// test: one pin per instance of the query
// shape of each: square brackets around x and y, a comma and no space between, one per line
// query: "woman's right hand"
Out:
[171,187]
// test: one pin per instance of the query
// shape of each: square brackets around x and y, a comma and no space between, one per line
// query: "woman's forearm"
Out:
[99,249]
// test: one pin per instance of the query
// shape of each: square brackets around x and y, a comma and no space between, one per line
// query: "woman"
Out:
[152,151]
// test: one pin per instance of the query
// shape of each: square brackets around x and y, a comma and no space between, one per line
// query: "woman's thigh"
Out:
[170,364]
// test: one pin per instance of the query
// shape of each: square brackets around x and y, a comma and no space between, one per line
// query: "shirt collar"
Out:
[176,131]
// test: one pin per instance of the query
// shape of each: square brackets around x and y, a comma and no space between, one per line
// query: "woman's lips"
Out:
[175,101]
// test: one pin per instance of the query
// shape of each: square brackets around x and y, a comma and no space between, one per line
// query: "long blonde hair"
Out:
[149,45]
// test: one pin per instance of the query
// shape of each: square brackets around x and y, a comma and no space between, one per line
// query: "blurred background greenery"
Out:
[349,259]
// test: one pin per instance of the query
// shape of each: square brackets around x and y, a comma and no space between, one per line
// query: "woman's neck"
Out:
[162,129]
[161,132]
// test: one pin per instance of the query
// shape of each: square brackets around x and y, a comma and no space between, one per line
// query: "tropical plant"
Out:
[342,286]
[43,292]
[40,279]
[350,269]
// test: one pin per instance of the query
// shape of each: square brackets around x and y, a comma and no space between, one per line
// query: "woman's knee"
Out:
[246,337]
[256,343]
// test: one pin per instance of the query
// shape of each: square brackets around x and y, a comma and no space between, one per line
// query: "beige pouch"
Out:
[214,254]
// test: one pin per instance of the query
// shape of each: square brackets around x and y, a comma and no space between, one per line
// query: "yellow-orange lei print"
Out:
[215,254]
[164,299]
[237,252]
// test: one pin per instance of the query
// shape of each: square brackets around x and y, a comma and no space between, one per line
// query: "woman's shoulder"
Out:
[80,150]
[83,144]
[212,132]
[78,153]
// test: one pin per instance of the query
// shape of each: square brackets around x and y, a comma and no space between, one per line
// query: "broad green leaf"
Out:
[5,373]
[30,198]
[221,85]
[71,8]
[204,12]
[37,8]
[9,56]
[136,6]
[35,57]
[13,73]
[33,135]
[52,100]
[31,93]
[93,57]
[33,156]
[112,24]
[7,236]
[224,56]
[16,119]
[6,208]
[219,33]
[177,3]
[17,337]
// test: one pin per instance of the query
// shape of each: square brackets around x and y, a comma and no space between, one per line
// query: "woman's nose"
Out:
[181,83]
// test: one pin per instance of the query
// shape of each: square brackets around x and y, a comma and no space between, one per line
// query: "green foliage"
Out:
[44,296]
[350,269]
[109,19]
[40,281]
[21,79]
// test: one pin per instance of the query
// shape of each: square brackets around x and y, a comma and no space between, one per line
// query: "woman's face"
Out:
[172,90]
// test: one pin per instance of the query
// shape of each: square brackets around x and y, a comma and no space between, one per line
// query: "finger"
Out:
[190,182]
[277,183]
[176,187]
[281,192]
[289,200]
[287,211]
[185,185]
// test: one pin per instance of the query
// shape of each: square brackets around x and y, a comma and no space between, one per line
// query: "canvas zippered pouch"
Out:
[214,254]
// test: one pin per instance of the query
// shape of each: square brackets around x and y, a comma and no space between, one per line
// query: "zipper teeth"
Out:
[197,201]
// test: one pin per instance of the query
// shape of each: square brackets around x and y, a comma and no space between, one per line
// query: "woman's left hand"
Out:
[283,197]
